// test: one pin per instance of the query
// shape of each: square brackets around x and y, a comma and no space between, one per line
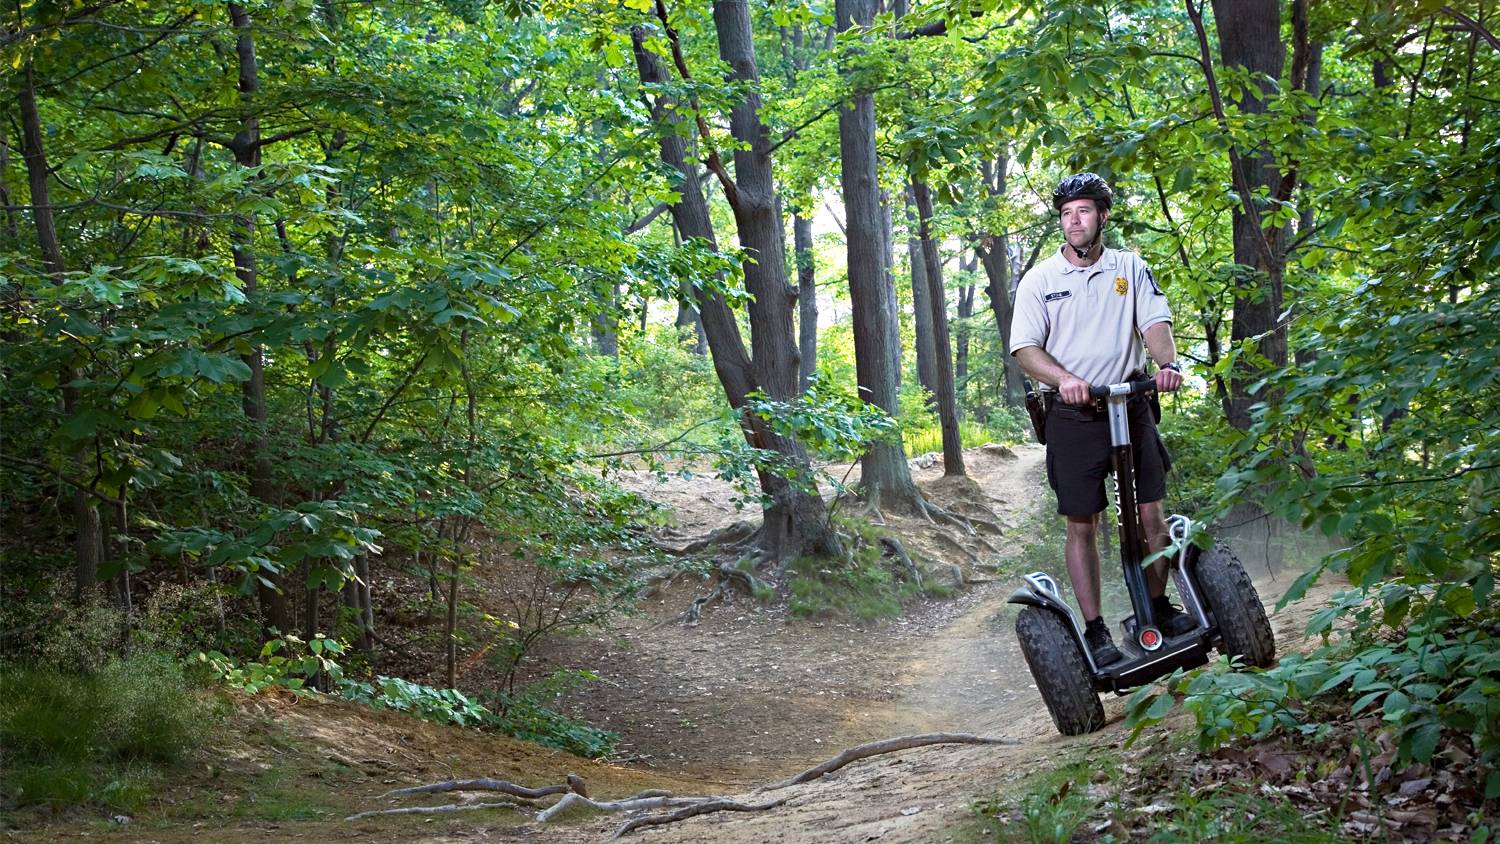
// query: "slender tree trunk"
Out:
[246,148]
[807,299]
[963,331]
[885,475]
[88,540]
[888,261]
[994,256]
[953,450]
[921,306]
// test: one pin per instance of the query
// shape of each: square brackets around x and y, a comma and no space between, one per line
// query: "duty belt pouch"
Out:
[1153,399]
[1037,411]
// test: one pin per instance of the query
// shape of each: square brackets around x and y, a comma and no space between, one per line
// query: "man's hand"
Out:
[1168,380]
[1074,390]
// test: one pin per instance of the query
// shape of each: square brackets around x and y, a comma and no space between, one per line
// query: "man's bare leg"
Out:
[1082,553]
[1155,527]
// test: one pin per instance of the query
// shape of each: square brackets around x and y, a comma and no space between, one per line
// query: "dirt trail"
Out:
[748,699]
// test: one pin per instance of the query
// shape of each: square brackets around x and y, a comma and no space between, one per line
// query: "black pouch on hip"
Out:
[1037,410]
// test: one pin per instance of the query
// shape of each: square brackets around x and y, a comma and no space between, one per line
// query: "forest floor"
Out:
[745,698]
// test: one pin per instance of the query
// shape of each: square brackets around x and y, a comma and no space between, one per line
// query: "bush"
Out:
[75,738]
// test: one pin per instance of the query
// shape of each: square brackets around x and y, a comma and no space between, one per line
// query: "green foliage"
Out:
[285,663]
[445,706]
[529,714]
[98,738]
[860,587]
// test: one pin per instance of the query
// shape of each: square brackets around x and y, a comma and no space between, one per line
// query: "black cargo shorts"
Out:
[1078,457]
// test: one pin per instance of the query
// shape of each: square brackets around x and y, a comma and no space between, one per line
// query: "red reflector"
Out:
[1149,638]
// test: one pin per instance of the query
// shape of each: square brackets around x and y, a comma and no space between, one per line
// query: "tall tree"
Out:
[1250,41]
[885,475]
[953,451]
[994,256]
[795,521]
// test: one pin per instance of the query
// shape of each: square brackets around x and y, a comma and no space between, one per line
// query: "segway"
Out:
[1214,588]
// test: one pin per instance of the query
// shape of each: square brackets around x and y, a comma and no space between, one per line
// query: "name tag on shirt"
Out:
[1061,294]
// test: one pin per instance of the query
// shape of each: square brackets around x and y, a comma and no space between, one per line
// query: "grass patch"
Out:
[863,587]
[96,738]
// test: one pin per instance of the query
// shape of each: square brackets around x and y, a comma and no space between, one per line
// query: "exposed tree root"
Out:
[694,612]
[736,536]
[438,810]
[944,538]
[486,784]
[895,547]
[704,808]
[890,745]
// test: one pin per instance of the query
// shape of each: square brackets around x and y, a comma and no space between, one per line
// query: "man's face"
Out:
[1081,221]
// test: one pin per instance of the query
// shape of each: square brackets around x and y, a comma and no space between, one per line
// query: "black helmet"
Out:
[1083,186]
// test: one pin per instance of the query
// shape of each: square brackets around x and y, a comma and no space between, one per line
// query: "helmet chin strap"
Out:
[1084,252]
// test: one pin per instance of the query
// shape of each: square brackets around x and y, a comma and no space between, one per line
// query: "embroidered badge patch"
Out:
[1121,285]
[1061,294]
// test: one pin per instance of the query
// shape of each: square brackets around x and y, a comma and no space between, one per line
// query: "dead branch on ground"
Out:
[890,745]
[695,810]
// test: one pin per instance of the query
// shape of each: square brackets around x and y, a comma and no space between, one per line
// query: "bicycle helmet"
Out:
[1083,186]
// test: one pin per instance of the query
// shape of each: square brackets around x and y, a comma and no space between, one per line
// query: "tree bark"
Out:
[953,450]
[807,299]
[885,475]
[88,539]
[921,306]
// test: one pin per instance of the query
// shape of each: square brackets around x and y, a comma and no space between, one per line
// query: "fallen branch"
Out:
[483,784]
[693,811]
[629,804]
[438,810]
[890,745]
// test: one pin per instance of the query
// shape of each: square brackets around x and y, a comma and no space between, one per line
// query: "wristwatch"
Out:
[1174,366]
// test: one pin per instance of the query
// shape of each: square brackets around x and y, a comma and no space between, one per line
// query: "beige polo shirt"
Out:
[1092,319]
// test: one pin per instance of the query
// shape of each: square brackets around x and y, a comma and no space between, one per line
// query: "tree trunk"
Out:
[603,325]
[953,450]
[807,299]
[1250,38]
[88,531]
[888,261]
[962,333]
[794,523]
[885,475]
[994,256]
[921,306]
[246,147]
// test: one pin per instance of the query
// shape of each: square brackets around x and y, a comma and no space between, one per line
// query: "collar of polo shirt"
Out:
[1108,259]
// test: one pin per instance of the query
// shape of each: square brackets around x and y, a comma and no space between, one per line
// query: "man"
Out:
[1080,317]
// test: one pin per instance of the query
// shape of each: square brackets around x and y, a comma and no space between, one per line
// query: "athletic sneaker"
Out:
[1171,620]
[1096,635]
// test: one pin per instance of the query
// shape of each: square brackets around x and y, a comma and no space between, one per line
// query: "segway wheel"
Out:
[1236,606]
[1061,673]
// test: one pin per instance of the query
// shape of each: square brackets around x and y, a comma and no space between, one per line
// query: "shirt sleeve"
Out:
[1028,321]
[1150,302]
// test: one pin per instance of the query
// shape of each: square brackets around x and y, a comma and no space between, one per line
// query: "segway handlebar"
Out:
[1128,388]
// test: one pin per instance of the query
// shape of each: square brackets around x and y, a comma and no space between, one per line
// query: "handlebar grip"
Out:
[1131,388]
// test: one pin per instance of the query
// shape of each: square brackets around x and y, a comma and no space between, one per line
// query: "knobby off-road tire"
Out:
[1060,671]
[1236,607]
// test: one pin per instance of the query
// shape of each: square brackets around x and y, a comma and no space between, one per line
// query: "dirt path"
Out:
[746,698]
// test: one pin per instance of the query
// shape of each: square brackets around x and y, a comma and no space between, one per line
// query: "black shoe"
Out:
[1171,620]
[1096,635]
